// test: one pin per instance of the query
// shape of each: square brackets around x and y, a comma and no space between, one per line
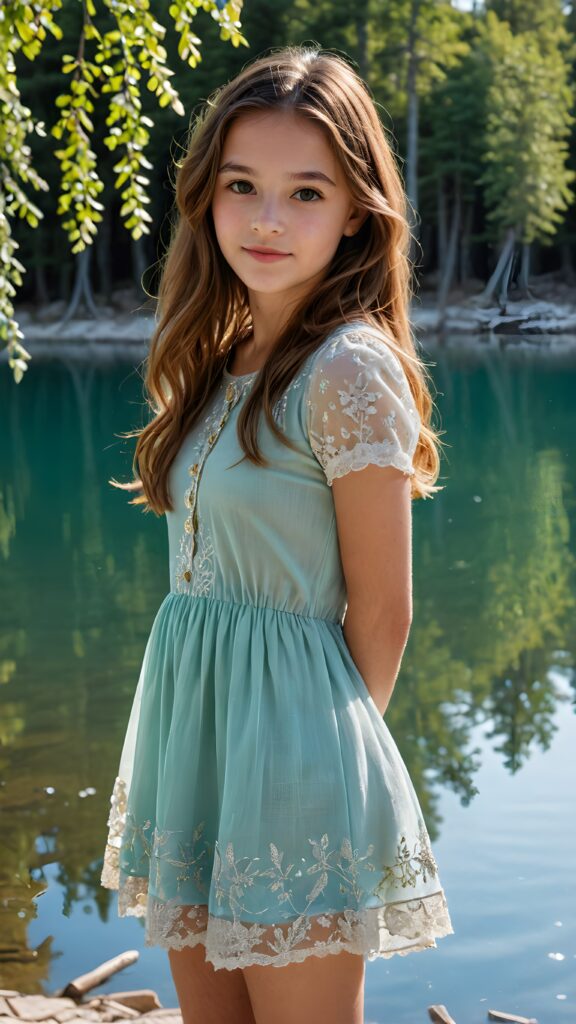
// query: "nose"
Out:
[266,217]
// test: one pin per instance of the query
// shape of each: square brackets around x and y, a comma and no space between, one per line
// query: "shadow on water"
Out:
[485,691]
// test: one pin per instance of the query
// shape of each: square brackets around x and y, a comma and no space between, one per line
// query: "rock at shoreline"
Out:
[122,332]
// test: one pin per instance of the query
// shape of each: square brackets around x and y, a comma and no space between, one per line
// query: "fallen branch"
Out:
[510,1018]
[77,988]
[439,1014]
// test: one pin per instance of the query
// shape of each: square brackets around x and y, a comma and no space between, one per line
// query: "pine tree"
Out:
[420,40]
[526,178]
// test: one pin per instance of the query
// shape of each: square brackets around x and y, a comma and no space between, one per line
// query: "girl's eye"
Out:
[307,194]
[242,187]
[232,183]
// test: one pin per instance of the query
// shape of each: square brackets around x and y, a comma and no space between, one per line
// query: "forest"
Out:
[477,100]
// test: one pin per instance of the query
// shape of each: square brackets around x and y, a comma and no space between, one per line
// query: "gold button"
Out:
[187,575]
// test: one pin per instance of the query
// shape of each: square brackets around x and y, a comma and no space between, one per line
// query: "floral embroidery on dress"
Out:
[407,866]
[251,898]
[175,923]
[195,558]
[342,862]
[360,407]
[203,571]
[396,928]
[282,403]
[194,571]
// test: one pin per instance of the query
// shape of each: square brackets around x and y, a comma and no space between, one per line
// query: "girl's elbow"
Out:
[393,616]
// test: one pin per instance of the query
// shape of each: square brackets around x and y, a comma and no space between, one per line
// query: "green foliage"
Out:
[478,106]
[451,147]
[424,40]
[123,55]
[527,124]
[545,17]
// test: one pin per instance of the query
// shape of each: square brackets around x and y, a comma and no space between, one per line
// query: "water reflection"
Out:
[82,576]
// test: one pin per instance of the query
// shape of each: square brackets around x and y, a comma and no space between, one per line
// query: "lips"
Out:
[267,256]
[266,252]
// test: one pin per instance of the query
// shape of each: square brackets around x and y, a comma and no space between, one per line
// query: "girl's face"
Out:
[279,186]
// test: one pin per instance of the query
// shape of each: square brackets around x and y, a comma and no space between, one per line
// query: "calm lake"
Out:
[483,710]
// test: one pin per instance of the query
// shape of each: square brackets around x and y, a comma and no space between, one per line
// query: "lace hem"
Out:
[239,940]
[116,824]
[399,928]
[377,453]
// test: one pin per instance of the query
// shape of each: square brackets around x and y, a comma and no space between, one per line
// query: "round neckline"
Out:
[239,376]
[247,376]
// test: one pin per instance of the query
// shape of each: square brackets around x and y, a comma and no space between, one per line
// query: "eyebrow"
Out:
[296,176]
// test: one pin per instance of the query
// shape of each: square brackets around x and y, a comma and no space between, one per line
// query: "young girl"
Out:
[262,815]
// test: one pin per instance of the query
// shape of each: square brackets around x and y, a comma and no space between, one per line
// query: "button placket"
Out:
[232,395]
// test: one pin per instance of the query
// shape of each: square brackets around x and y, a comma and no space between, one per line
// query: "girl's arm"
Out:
[373,515]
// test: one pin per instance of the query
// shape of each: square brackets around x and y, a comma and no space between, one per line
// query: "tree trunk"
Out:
[41,293]
[412,127]
[505,281]
[139,264]
[524,276]
[362,38]
[452,252]
[104,255]
[503,265]
[64,276]
[465,246]
[567,264]
[82,287]
[442,226]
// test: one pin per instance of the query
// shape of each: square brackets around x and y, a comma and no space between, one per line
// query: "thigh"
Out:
[327,988]
[206,995]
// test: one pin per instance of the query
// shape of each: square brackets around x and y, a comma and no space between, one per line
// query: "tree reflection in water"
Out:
[82,575]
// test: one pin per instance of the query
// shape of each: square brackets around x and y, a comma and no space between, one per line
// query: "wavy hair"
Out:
[203,307]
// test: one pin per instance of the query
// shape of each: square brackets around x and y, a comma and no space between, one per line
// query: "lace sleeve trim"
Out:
[358,390]
[377,453]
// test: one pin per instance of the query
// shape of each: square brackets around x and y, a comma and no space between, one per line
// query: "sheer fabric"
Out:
[361,409]
[261,806]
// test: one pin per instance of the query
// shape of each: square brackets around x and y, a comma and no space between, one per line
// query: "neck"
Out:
[269,318]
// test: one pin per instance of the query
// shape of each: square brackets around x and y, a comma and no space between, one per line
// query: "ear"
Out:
[355,220]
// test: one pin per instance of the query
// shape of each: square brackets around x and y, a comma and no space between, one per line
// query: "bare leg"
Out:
[205,995]
[329,988]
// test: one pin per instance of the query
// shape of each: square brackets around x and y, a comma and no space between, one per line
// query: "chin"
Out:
[258,283]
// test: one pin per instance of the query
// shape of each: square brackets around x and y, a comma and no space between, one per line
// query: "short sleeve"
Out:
[359,406]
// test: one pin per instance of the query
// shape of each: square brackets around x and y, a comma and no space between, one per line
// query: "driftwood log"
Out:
[439,1014]
[510,1018]
[67,1007]
[77,988]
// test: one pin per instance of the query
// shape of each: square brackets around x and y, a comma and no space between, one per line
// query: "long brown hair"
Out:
[203,307]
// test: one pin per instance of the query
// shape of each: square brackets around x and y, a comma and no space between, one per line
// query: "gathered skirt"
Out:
[261,806]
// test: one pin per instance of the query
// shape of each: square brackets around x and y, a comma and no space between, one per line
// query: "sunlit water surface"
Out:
[483,709]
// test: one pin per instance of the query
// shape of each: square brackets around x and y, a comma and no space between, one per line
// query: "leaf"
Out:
[320,884]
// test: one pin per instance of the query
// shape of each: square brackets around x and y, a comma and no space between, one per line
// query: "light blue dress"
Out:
[261,805]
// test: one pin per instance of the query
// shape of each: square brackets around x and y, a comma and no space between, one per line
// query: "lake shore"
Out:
[122,329]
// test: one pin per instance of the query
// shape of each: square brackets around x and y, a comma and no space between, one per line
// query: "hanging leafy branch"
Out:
[132,48]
